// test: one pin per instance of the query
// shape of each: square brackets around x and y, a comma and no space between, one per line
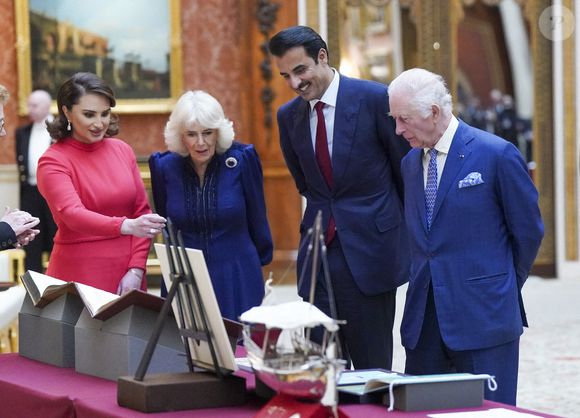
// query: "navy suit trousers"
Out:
[367,336]
[431,356]
[32,201]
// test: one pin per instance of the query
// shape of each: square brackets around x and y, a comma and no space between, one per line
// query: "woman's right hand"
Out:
[145,226]
[27,236]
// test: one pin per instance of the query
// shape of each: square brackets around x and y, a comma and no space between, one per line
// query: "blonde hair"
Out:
[197,107]
[4,95]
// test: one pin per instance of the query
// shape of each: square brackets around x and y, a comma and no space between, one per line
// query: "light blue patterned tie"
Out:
[431,187]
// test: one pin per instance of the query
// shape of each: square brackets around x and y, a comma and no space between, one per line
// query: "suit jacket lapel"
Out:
[458,154]
[302,144]
[345,118]
[417,184]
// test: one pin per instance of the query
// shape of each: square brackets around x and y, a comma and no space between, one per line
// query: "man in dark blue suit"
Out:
[354,179]
[31,142]
[475,228]
[16,226]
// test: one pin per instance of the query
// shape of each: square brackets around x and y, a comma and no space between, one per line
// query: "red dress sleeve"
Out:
[140,245]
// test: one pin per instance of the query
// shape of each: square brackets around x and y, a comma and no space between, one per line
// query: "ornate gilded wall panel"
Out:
[570,150]
[436,28]
[363,38]
[543,144]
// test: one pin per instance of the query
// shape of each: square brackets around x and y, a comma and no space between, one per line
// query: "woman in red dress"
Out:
[95,193]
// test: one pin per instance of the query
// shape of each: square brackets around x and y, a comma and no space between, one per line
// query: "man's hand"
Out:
[19,221]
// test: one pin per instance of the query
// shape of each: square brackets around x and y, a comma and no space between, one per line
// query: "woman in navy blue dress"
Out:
[211,188]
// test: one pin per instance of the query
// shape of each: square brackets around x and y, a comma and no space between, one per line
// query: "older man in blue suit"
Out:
[475,229]
[340,146]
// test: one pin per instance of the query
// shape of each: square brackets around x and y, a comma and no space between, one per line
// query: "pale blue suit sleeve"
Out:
[520,204]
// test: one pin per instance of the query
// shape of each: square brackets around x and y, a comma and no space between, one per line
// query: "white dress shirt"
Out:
[329,99]
[442,146]
[39,142]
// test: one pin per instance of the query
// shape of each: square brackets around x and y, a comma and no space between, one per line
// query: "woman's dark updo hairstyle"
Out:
[70,93]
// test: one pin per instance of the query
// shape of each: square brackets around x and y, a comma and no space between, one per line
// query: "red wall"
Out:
[211,61]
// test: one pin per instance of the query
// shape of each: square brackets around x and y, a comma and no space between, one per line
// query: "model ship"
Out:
[279,347]
[282,354]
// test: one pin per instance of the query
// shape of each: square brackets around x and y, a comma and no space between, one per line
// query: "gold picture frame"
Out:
[59,47]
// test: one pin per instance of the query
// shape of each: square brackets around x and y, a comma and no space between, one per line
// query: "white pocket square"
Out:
[472,179]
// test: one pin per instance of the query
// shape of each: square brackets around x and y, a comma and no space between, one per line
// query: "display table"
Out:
[32,389]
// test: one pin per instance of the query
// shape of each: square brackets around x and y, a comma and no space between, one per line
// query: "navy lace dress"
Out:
[225,217]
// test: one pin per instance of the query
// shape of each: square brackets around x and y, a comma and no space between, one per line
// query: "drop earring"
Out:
[68,128]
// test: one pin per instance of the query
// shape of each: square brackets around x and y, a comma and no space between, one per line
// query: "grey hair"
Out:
[198,107]
[4,95]
[424,89]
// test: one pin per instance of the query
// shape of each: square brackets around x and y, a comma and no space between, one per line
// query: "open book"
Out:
[100,304]
[360,382]
[417,393]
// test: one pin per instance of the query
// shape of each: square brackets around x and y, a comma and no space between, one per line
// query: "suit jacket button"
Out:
[20,158]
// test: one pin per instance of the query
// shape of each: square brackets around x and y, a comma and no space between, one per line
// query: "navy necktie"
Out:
[324,163]
[431,186]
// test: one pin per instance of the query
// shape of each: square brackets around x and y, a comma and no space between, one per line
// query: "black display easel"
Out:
[283,402]
[317,250]
[179,391]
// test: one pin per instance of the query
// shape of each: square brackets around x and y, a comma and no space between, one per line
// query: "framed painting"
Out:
[134,45]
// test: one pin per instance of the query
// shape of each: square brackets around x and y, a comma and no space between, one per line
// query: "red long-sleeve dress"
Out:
[91,189]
